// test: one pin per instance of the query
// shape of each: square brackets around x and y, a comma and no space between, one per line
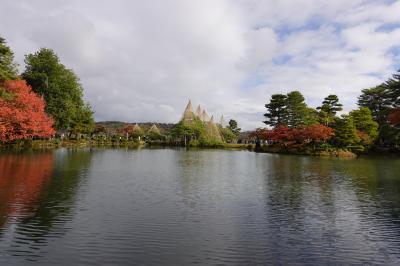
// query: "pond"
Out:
[208,207]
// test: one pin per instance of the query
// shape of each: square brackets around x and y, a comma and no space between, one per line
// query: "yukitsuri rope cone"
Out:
[212,130]
[154,129]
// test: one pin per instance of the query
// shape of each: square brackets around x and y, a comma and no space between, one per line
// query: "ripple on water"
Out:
[177,207]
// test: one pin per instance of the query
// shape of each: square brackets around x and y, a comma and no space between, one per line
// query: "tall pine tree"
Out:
[8,68]
[276,111]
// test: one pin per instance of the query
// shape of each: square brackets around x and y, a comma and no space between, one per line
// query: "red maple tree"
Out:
[22,113]
[285,135]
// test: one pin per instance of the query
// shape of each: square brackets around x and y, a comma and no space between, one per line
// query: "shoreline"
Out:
[77,144]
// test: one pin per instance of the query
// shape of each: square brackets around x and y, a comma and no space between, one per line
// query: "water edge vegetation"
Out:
[44,107]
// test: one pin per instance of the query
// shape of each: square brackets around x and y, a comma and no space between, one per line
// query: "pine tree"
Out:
[377,100]
[8,68]
[346,132]
[329,108]
[297,111]
[393,89]
[364,122]
[276,114]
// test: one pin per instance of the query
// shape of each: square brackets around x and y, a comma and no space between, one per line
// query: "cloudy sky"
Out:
[142,60]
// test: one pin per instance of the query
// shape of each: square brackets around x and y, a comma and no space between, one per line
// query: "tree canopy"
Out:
[61,90]
[289,110]
[276,114]
[22,114]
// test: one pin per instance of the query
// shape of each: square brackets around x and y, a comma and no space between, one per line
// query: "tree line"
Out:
[46,97]
[375,124]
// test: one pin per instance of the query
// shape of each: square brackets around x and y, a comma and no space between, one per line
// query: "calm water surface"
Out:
[178,207]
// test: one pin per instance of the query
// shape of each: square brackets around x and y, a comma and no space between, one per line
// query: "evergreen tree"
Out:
[61,90]
[330,106]
[8,68]
[276,113]
[233,126]
[377,100]
[365,124]
[346,132]
[297,111]
[227,134]
[393,89]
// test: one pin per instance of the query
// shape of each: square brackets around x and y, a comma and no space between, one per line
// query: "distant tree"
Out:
[393,89]
[346,132]
[364,122]
[329,108]
[377,100]
[155,134]
[183,131]
[233,126]
[137,133]
[61,90]
[313,134]
[22,113]
[127,131]
[280,134]
[100,129]
[260,133]
[228,135]
[297,111]
[8,68]
[82,120]
[316,133]
[276,110]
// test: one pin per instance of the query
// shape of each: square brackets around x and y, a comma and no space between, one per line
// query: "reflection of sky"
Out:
[179,207]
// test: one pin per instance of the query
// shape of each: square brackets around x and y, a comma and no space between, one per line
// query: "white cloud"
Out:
[142,60]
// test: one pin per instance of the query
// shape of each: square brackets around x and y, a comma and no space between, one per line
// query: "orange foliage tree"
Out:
[22,113]
[288,136]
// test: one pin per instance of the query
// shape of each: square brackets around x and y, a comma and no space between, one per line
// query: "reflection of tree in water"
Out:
[22,179]
[56,198]
[376,182]
[325,202]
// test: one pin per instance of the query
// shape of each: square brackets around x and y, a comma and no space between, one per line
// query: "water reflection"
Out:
[22,179]
[179,207]
[38,194]
[332,211]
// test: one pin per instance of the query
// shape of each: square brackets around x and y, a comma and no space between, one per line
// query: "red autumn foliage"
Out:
[394,117]
[22,115]
[286,135]
[316,133]
[260,133]
[127,129]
